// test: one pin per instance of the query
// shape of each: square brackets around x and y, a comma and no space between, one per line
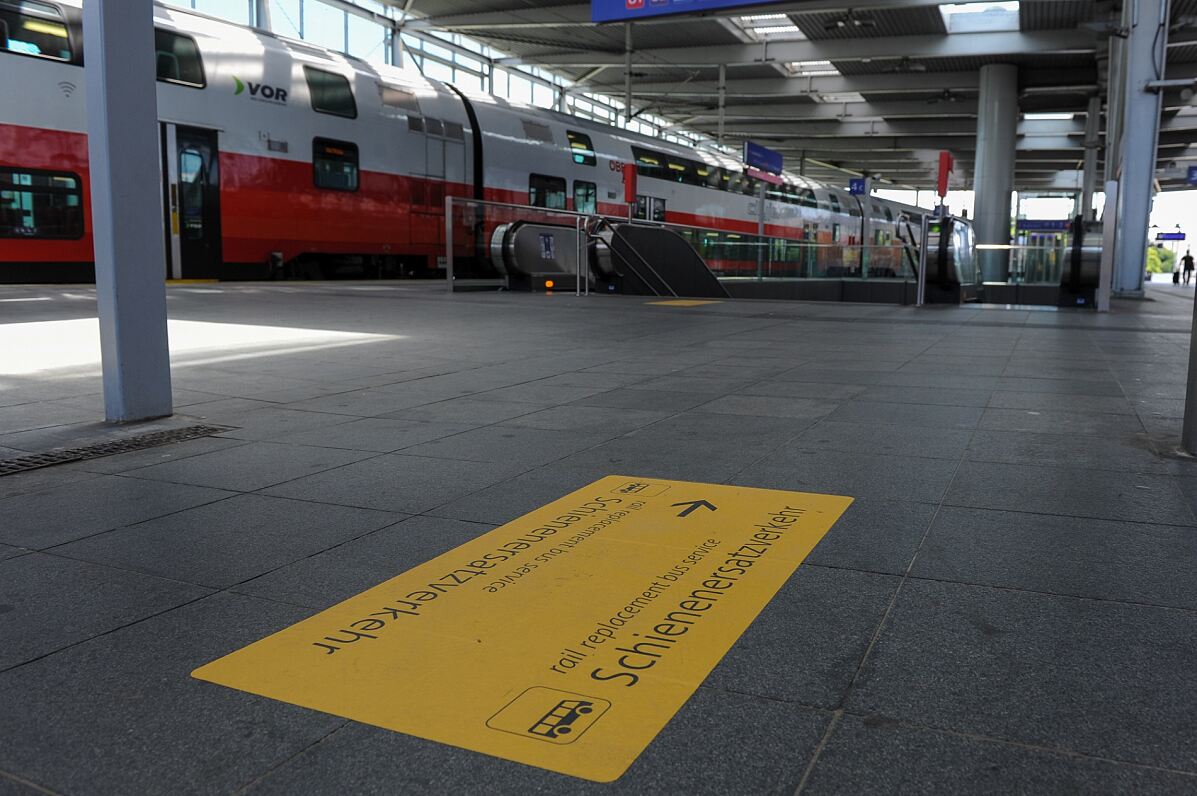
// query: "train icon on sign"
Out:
[547,714]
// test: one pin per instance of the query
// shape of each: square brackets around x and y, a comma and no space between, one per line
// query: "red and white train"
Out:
[275,151]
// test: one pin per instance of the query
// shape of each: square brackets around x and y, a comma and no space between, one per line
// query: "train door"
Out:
[650,208]
[192,186]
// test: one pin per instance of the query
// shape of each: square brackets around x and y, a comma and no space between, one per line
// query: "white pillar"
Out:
[126,207]
[1146,48]
[997,125]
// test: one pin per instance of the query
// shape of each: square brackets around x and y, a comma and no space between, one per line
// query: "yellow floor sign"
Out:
[565,639]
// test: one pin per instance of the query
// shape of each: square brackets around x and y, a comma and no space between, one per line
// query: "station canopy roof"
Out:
[843,89]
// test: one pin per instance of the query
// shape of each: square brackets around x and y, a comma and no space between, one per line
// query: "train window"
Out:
[399,98]
[582,148]
[434,127]
[33,28]
[807,198]
[679,170]
[330,93]
[335,164]
[585,197]
[40,204]
[649,163]
[454,131]
[535,131]
[835,203]
[708,175]
[889,216]
[178,59]
[415,124]
[546,191]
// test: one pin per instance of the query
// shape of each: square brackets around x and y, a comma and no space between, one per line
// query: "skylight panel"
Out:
[980,17]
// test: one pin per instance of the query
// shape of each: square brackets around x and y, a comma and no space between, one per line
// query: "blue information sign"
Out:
[858,186]
[1169,236]
[1043,225]
[1192,175]
[623,10]
[762,158]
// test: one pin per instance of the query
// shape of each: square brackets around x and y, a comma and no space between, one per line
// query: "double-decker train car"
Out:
[280,157]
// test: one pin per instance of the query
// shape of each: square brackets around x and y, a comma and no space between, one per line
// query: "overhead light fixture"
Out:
[849,21]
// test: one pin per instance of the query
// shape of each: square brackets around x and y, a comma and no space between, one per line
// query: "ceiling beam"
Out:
[579,14]
[956,45]
[843,110]
[886,128]
[797,144]
[1064,80]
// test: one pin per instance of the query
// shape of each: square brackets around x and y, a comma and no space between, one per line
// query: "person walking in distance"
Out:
[1188,261]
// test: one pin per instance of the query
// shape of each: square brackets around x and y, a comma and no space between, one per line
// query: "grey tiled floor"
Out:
[1007,607]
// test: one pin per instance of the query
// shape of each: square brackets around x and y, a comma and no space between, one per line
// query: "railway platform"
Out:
[1006,606]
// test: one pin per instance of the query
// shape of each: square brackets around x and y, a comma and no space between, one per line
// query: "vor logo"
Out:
[547,714]
[260,91]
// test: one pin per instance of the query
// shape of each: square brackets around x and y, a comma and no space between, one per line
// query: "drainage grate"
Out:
[140,442]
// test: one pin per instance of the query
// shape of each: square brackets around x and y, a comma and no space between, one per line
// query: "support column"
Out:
[396,45]
[126,208]
[722,101]
[997,125]
[627,72]
[262,15]
[1115,95]
[1092,144]
[1145,51]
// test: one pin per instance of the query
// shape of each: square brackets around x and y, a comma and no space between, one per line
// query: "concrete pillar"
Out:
[1145,52]
[997,126]
[126,207]
[1092,144]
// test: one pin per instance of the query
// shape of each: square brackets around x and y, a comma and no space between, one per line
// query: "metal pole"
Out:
[396,45]
[1188,434]
[924,236]
[126,208]
[262,15]
[449,243]
[577,256]
[722,100]
[760,231]
[627,71]
[1092,144]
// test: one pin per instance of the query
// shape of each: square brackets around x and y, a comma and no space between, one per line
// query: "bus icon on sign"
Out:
[547,714]
[642,488]
[633,5]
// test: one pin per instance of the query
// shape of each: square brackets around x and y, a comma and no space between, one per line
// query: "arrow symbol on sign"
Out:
[693,506]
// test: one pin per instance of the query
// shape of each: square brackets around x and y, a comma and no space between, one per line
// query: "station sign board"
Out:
[763,158]
[624,10]
[1192,178]
[1169,236]
[1043,225]
[858,186]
